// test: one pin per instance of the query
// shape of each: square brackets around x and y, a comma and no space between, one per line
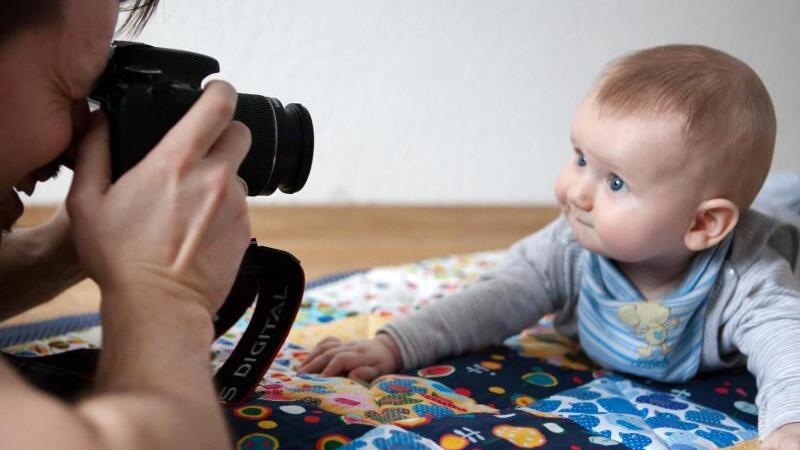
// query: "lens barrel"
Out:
[282,145]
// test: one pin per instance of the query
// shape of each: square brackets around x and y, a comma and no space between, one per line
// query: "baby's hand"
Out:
[362,359]
[786,437]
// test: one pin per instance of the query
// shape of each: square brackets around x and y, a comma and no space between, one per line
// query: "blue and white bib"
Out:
[661,340]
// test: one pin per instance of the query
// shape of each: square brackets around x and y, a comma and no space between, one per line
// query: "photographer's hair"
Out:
[139,12]
[18,14]
[726,108]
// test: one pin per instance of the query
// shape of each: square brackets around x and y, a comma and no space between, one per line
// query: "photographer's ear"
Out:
[713,220]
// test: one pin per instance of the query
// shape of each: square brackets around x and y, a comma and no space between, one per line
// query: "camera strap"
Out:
[275,281]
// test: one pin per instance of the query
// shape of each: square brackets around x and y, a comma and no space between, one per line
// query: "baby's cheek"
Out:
[620,237]
[560,189]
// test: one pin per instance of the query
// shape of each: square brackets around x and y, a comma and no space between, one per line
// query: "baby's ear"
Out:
[713,220]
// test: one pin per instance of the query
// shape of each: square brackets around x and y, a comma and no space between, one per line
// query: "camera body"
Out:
[145,90]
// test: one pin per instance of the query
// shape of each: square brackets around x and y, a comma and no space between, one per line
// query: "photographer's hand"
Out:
[164,244]
[178,220]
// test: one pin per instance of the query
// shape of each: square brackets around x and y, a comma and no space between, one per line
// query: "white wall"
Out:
[458,102]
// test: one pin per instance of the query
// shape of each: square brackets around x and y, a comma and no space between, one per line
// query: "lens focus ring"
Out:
[256,112]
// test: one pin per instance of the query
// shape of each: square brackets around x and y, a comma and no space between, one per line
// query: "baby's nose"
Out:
[581,195]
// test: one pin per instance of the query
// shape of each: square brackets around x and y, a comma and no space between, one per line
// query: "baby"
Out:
[657,263]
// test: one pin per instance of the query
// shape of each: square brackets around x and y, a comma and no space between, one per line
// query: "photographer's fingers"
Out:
[193,136]
[93,165]
[231,148]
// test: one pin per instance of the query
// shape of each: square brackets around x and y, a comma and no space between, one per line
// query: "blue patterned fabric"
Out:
[643,418]
[388,437]
[661,339]
[580,409]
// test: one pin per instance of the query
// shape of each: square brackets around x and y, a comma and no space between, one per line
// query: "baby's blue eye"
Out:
[616,184]
[581,160]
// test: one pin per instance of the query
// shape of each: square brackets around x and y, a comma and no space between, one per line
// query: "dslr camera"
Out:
[144,91]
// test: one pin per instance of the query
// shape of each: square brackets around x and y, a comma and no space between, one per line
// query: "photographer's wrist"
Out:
[154,292]
[181,285]
[159,325]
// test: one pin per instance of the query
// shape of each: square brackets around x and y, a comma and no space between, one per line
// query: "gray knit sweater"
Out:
[753,315]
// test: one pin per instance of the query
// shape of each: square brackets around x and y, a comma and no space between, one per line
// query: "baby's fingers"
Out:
[364,373]
[342,363]
[315,364]
[322,346]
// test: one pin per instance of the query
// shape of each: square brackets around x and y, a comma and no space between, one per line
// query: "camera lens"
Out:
[282,146]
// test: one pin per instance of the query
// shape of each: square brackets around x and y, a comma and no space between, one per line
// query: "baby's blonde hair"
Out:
[726,107]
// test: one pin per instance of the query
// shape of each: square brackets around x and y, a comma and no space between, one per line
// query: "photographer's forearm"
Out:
[36,264]
[156,336]
[153,391]
[156,362]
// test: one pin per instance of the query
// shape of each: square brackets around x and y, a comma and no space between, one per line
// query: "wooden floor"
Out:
[336,239]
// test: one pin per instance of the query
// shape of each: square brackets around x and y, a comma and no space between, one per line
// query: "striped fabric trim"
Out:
[661,340]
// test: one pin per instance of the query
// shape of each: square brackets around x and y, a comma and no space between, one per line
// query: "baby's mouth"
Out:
[582,221]
[572,212]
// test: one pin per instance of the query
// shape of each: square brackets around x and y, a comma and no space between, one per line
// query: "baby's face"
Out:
[631,186]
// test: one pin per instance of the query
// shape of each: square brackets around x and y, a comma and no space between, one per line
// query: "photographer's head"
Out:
[51,53]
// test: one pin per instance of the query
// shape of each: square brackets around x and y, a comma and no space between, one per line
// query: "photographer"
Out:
[163,243]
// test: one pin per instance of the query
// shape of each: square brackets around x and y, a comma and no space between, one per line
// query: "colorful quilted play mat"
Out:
[536,391]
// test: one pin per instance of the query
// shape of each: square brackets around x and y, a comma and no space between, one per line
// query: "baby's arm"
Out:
[515,295]
[786,437]
[766,328]
[525,286]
